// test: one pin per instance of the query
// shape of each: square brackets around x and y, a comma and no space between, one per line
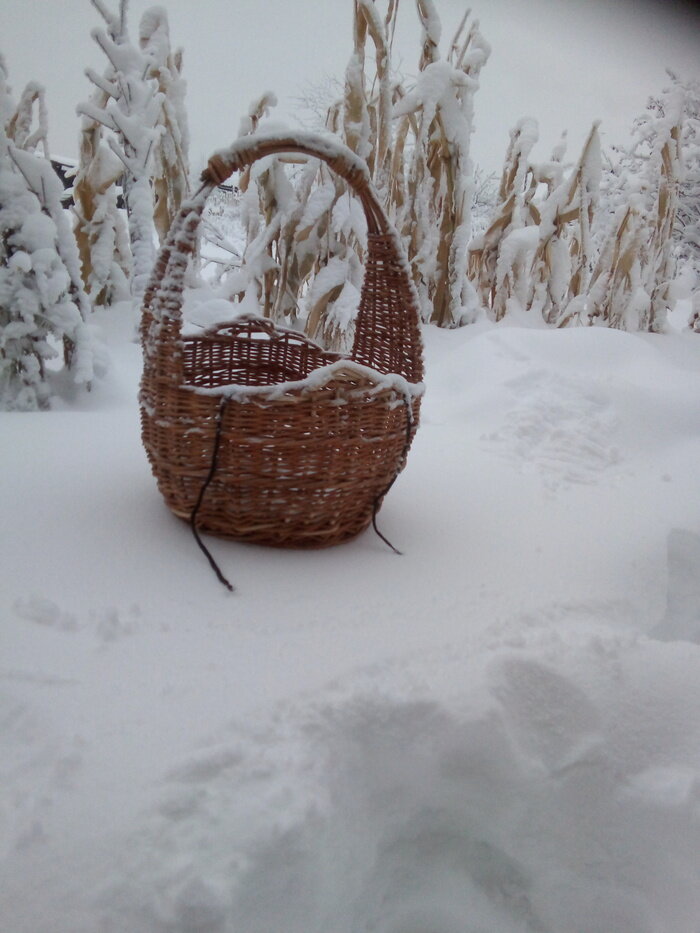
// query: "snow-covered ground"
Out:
[498,731]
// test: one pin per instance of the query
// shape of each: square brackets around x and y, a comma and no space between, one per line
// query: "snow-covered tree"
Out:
[138,100]
[42,304]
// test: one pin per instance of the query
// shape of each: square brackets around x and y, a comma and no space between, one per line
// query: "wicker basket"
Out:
[255,432]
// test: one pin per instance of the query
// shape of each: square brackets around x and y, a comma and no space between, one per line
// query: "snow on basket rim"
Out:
[324,143]
[343,369]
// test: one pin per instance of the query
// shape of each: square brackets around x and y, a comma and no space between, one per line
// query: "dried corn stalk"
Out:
[138,102]
[617,296]
[306,240]
[28,125]
[369,97]
[170,166]
[276,263]
[660,264]
[496,264]
[536,255]
[306,243]
[438,114]
[631,284]
[100,228]
[562,262]
[363,120]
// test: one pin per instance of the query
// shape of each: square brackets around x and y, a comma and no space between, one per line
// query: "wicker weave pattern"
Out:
[308,442]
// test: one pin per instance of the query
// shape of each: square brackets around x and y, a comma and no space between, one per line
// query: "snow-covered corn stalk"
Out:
[100,228]
[499,259]
[537,253]
[687,228]
[138,101]
[631,287]
[170,169]
[27,127]
[334,224]
[562,263]
[287,232]
[436,117]
[306,241]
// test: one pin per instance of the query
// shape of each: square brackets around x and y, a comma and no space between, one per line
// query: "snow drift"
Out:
[497,731]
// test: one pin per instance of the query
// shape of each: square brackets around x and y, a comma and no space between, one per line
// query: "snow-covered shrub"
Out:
[42,304]
[139,102]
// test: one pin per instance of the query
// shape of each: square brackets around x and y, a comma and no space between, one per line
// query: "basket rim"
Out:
[268,325]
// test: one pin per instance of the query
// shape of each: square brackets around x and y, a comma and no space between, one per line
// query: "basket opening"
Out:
[250,355]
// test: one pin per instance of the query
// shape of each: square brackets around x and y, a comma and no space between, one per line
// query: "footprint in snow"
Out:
[401,838]
[113,624]
[45,612]
[109,625]
[550,719]
[561,427]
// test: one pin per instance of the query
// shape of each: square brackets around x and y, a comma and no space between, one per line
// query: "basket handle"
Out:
[338,157]
[163,299]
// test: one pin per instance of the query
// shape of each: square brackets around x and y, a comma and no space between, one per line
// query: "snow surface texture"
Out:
[498,731]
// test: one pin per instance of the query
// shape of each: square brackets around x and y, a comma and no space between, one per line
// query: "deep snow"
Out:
[497,731]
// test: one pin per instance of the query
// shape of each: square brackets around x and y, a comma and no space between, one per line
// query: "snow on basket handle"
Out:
[337,156]
[162,308]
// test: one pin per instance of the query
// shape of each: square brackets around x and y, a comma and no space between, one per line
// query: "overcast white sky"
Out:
[564,62]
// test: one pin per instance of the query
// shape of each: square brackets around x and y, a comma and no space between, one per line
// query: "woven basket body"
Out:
[256,429]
